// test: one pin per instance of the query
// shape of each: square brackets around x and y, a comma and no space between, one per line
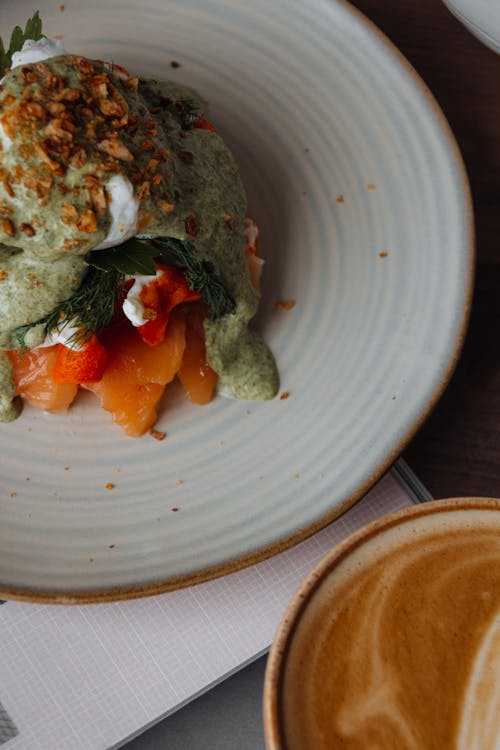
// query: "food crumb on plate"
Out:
[285,304]
[111,546]
[296,476]
[383,254]
[157,434]
[339,198]
[13,494]
[174,510]
[175,64]
[284,395]
[62,7]
[178,481]
[110,486]
[371,186]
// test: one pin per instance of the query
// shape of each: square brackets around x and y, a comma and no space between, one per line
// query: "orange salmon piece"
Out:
[196,376]
[136,374]
[33,379]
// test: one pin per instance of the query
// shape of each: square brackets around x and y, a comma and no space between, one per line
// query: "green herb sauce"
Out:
[200,184]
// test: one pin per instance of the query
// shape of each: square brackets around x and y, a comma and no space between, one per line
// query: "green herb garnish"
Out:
[32,30]
[93,306]
[131,257]
[137,256]
[90,309]
[200,275]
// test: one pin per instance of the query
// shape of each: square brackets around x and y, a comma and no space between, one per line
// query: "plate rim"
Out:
[171,583]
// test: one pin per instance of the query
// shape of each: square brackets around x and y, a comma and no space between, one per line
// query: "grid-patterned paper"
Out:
[89,677]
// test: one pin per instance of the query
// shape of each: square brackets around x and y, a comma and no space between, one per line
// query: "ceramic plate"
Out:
[360,194]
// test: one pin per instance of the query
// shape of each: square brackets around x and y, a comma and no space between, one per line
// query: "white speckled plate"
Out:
[364,210]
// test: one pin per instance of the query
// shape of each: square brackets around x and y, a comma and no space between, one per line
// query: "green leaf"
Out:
[130,258]
[32,30]
[91,309]
[200,275]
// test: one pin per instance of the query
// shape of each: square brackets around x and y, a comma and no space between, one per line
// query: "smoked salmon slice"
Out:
[136,374]
[34,383]
[196,376]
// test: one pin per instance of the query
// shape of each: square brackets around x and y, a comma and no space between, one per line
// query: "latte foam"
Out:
[400,645]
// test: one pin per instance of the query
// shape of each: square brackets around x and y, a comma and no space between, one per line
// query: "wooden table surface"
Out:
[457,451]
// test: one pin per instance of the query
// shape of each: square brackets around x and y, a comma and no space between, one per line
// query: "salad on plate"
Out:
[126,256]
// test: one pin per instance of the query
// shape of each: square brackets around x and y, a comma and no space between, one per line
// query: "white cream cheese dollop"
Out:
[132,304]
[38,51]
[123,207]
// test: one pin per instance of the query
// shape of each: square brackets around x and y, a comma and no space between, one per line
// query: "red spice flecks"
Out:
[383,255]
[191,225]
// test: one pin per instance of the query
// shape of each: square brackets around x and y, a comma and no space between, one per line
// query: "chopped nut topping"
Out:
[143,191]
[98,198]
[27,229]
[67,95]
[69,214]
[7,226]
[55,129]
[166,206]
[144,219]
[109,108]
[116,148]
[33,110]
[78,158]
[53,165]
[87,222]
[7,186]
[132,83]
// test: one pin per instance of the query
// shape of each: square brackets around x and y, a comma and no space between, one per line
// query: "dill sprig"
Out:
[94,304]
[32,30]
[90,309]
[200,275]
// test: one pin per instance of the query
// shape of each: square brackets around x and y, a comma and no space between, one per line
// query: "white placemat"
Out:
[91,677]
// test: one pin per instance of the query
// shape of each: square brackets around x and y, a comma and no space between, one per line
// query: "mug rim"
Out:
[283,639]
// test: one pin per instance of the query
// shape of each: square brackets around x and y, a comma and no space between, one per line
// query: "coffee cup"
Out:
[393,640]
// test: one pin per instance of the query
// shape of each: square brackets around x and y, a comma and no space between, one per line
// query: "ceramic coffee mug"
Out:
[481,17]
[393,641]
